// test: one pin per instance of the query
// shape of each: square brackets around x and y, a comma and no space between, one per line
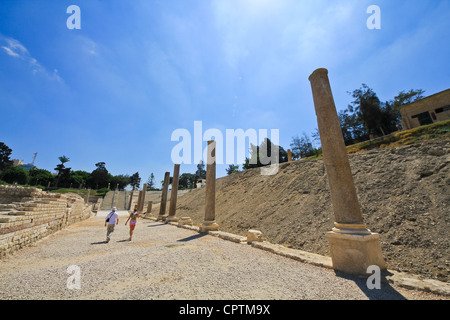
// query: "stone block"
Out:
[207,226]
[185,221]
[254,235]
[354,253]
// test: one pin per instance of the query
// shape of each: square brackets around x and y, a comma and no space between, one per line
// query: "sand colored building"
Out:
[426,111]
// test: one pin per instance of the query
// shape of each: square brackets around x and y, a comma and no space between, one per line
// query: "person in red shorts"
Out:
[133,220]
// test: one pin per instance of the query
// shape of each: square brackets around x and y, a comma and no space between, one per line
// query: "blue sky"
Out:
[115,90]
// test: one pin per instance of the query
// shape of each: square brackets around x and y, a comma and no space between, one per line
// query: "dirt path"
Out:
[166,262]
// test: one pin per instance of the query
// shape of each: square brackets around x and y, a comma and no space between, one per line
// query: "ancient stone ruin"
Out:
[353,247]
[29,214]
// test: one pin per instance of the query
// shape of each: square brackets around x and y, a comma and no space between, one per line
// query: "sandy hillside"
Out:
[403,192]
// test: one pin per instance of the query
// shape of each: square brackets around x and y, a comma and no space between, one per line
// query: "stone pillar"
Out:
[289,155]
[141,204]
[209,224]
[162,208]
[174,194]
[131,199]
[88,195]
[113,201]
[149,207]
[353,247]
[136,206]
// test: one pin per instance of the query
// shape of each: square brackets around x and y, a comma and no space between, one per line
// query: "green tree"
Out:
[301,147]
[368,109]
[63,176]
[121,180]
[367,115]
[390,118]
[79,177]
[151,182]
[352,127]
[40,177]
[232,169]
[187,181]
[135,180]
[5,161]
[393,106]
[406,97]
[262,155]
[99,177]
[315,135]
[17,175]
[201,172]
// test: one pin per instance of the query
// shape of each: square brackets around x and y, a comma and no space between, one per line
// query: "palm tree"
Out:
[60,168]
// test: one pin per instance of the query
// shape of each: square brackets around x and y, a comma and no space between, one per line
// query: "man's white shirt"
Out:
[113,216]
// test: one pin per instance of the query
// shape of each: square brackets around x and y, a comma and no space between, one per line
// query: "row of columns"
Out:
[353,247]
[209,224]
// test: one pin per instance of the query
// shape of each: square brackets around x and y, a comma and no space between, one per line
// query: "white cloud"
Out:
[11,52]
[17,50]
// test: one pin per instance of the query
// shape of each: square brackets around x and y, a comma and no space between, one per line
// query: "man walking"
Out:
[111,220]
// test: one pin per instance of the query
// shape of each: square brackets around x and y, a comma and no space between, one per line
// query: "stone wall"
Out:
[29,214]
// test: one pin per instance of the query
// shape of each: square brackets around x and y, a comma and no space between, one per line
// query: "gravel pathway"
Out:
[164,262]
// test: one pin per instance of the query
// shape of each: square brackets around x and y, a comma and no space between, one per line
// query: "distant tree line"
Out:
[65,177]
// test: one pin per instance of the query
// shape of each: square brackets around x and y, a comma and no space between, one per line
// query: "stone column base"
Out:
[185,221]
[172,219]
[162,218]
[209,226]
[354,253]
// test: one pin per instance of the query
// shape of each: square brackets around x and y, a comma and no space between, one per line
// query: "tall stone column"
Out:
[149,207]
[352,246]
[209,224]
[138,204]
[113,201]
[174,194]
[148,213]
[131,199]
[289,155]
[162,208]
[141,203]
[88,195]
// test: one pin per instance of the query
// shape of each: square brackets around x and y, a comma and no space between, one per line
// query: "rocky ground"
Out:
[403,192]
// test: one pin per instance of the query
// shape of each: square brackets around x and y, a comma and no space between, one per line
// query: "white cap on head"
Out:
[114,209]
